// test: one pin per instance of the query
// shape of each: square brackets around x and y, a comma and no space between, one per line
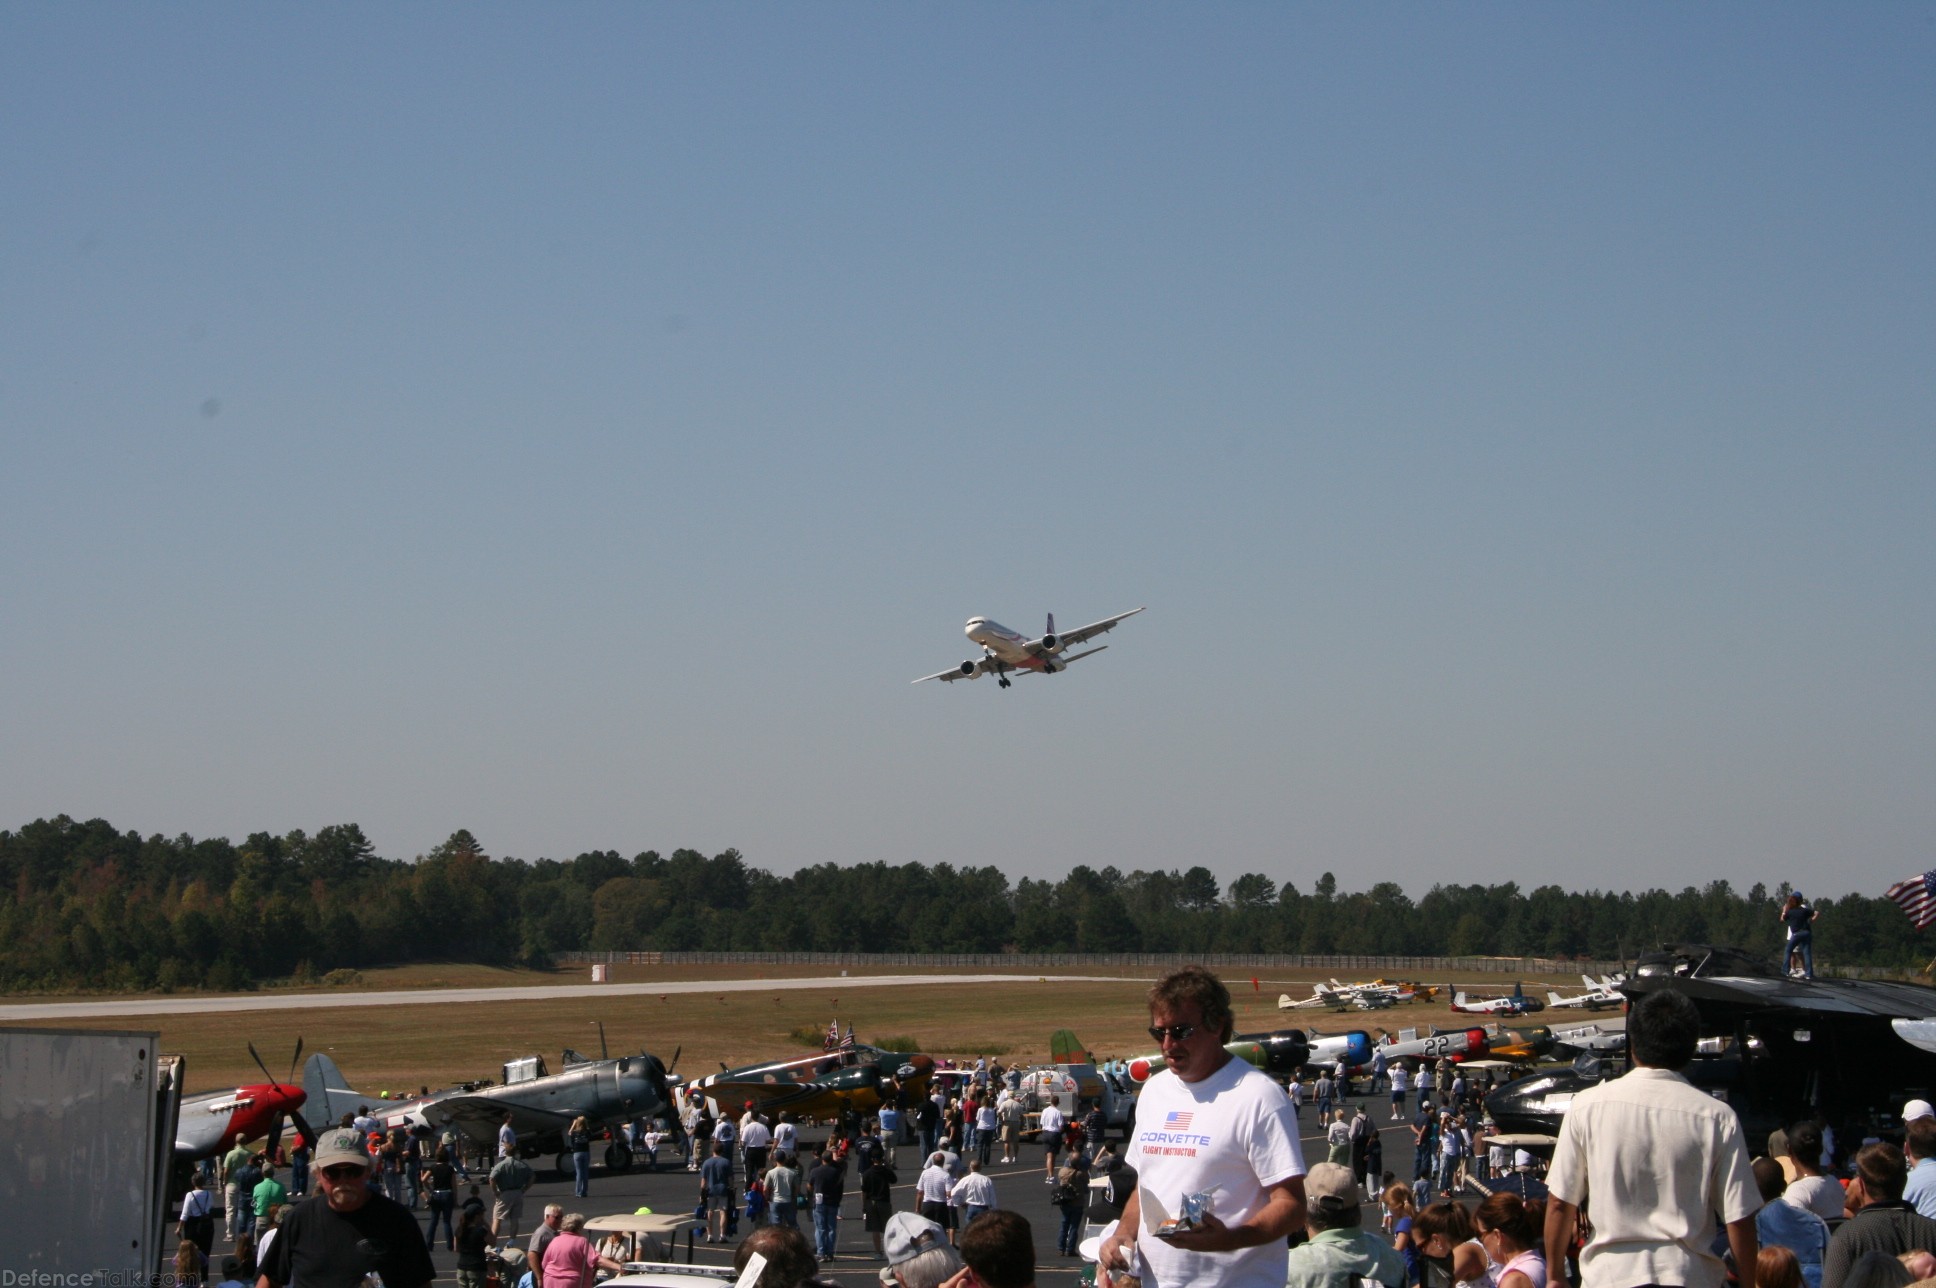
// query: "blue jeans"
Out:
[1804,948]
[784,1213]
[1069,1238]
[441,1204]
[581,1173]
[826,1228]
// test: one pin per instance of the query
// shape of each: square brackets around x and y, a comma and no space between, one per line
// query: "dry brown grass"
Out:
[403,1047]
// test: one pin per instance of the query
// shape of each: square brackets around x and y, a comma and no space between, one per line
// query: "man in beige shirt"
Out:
[1655,1158]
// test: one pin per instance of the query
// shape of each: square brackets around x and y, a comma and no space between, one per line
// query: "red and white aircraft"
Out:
[213,1121]
[1004,651]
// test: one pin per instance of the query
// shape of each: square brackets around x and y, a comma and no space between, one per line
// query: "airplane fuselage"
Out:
[212,1122]
[1010,648]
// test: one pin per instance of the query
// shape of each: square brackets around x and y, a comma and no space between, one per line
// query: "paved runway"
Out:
[189,1004]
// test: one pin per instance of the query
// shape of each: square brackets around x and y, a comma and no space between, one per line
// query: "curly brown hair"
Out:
[1195,984]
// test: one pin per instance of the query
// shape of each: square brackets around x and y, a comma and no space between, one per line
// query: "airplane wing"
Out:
[952,673]
[1073,657]
[478,1116]
[1084,634]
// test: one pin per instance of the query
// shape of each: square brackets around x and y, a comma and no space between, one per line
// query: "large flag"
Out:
[847,1042]
[833,1036]
[1917,896]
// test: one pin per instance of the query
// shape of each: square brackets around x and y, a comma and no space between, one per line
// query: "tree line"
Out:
[83,905]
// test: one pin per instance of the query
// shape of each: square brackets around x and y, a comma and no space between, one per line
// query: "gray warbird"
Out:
[607,1093]
[1004,651]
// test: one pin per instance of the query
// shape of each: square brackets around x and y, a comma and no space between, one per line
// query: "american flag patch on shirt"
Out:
[1177,1122]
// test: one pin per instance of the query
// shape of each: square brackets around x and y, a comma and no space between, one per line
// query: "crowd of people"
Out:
[1651,1181]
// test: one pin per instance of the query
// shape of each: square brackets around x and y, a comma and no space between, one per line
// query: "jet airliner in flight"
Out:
[1004,651]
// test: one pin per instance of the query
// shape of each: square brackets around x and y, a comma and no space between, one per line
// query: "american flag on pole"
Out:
[847,1042]
[1917,896]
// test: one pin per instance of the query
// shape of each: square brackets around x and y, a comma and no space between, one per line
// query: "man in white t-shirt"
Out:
[1052,1123]
[1656,1158]
[1208,1123]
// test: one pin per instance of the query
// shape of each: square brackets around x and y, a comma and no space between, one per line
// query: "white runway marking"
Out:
[20,1013]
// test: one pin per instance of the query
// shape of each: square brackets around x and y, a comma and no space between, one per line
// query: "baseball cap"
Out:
[1331,1189]
[1522,1158]
[344,1145]
[1917,1109]
[908,1236]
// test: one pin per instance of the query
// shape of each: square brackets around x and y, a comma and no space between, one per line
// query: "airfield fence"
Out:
[1377,965]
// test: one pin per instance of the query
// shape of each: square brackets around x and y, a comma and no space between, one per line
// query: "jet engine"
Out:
[971,670]
[1051,643]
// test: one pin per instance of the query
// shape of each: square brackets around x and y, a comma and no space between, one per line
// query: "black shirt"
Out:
[877,1184]
[319,1248]
[829,1183]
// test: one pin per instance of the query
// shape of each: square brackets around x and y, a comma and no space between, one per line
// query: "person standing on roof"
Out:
[1799,918]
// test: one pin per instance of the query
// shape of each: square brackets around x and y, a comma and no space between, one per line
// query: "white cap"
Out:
[1522,1158]
[1917,1109]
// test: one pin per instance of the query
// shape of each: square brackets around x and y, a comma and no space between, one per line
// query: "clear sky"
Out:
[578,423]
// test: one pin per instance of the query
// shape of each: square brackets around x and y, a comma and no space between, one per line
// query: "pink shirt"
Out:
[570,1261]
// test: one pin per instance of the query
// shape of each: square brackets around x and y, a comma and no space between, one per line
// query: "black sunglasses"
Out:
[1175,1032]
[344,1171]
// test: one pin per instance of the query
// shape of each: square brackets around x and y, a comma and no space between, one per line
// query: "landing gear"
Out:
[618,1156]
[1003,681]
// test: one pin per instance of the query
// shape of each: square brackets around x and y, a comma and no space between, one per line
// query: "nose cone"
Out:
[638,1090]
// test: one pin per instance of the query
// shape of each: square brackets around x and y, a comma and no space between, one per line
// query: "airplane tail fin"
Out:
[1458,998]
[1050,628]
[1553,998]
[1066,1048]
[327,1094]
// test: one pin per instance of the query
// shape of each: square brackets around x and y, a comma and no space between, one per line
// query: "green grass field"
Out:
[398,1048]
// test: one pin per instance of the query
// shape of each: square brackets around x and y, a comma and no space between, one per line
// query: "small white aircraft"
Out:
[1320,996]
[1598,997]
[1003,650]
[1517,1003]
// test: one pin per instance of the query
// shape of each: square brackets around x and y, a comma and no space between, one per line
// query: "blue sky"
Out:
[578,423]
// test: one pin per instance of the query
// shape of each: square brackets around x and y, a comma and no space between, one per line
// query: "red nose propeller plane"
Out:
[213,1121]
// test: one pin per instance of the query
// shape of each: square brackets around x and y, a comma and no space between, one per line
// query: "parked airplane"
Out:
[1529,1043]
[1598,997]
[820,1085]
[606,1092]
[1514,1003]
[1321,995]
[1280,1053]
[1589,1037]
[1003,650]
[1353,1046]
[213,1121]
[1452,1044]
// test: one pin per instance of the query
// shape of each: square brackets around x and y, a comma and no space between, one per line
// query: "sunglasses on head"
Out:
[1174,1032]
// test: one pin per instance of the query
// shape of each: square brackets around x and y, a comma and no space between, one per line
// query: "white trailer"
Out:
[87,1133]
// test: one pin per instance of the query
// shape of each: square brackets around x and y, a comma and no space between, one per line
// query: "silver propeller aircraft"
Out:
[1004,651]
[608,1093]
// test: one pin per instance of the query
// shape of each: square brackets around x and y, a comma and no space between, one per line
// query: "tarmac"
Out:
[74,1009]
[1019,1187]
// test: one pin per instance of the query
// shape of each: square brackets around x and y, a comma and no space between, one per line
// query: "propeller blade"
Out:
[294,1059]
[258,1064]
[303,1128]
[275,1139]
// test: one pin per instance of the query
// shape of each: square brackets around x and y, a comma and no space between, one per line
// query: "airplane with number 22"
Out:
[1004,651]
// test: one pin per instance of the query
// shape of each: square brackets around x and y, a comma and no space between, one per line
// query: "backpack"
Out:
[1067,1186]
